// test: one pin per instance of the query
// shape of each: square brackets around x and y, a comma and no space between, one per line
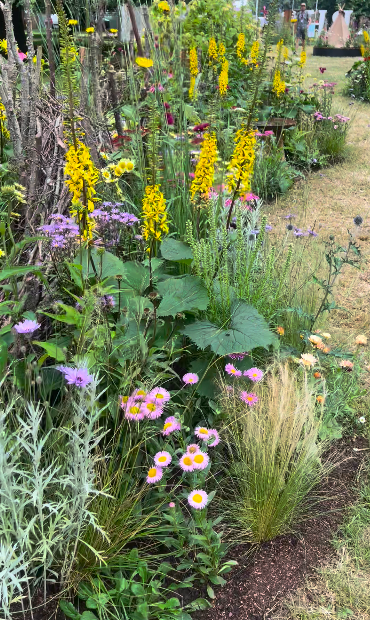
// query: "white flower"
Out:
[362,420]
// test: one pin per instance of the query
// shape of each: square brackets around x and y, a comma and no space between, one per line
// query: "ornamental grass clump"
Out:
[274,455]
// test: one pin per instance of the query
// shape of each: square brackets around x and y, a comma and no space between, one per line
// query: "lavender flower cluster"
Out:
[338,118]
[109,221]
[61,231]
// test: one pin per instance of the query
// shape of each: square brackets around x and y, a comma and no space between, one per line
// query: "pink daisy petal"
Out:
[154,475]
[186,462]
[171,424]
[201,460]
[160,395]
[190,378]
[214,438]
[198,499]
[201,432]
[139,394]
[249,398]
[151,409]
[162,459]
[193,448]
[231,370]
[254,374]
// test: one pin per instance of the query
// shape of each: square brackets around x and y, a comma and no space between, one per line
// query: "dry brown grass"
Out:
[334,196]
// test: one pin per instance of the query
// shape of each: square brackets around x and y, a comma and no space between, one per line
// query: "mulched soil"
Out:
[255,587]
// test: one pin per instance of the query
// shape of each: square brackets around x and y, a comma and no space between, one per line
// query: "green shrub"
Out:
[272,175]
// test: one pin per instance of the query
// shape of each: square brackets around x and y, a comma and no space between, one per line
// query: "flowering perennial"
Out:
[302,60]
[154,214]
[212,49]
[242,161]
[255,52]
[240,45]
[278,85]
[81,178]
[223,78]
[193,57]
[205,169]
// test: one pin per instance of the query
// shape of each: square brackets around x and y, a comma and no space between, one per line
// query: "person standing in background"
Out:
[303,21]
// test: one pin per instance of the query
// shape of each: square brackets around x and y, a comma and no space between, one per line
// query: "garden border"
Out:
[335,52]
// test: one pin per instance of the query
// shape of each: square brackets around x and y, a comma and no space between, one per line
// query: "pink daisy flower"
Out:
[198,499]
[171,425]
[190,378]
[139,394]
[250,399]
[154,475]
[193,448]
[201,432]
[171,505]
[159,395]
[151,409]
[186,462]
[254,374]
[231,370]
[133,411]
[200,460]
[214,437]
[162,459]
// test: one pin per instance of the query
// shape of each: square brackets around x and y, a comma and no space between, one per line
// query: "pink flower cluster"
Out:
[259,134]
[337,118]
[194,459]
[161,460]
[254,374]
[142,405]
[210,435]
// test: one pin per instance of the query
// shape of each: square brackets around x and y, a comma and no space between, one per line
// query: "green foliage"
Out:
[247,330]
[358,80]
[272,175]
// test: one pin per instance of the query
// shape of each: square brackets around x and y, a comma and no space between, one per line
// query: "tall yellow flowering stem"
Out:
[223,78]
[212,49]
[241,165]
[278,85]
[302,60]
[240,45]
[205,168]
[193,58]
[154,216]
[81,178]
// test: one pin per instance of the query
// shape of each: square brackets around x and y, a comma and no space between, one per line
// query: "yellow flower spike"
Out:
[192,87]
[362,49]
[278,85]
[366,36]
[255,49]
[212,49]
[113,30]
[90,30]
[154,214]
[223,79]
[240,45]
[221,50]
[302,60]
[242,162]
[205,169]
[72,22]
[145,63]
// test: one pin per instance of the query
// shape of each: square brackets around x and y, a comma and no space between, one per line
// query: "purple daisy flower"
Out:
[26,327]
[76,376]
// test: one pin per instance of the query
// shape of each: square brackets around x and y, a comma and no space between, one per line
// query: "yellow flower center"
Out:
[152,472]
[162,459]
[199,458]
[141,393]
[124,399]
[159,395]
[151,407]
[192,450]
[166,426]
[197,498]
[204,431]
[250,398]
[187,460]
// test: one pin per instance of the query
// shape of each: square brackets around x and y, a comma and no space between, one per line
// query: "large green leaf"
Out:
[173,249]
[247,330]
[135,277]
[181,294]
[52,350]
[19,271]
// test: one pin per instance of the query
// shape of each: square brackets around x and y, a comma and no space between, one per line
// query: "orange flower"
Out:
[326,350]
[317,375]
[320,399]
[315,340]
[280,330]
